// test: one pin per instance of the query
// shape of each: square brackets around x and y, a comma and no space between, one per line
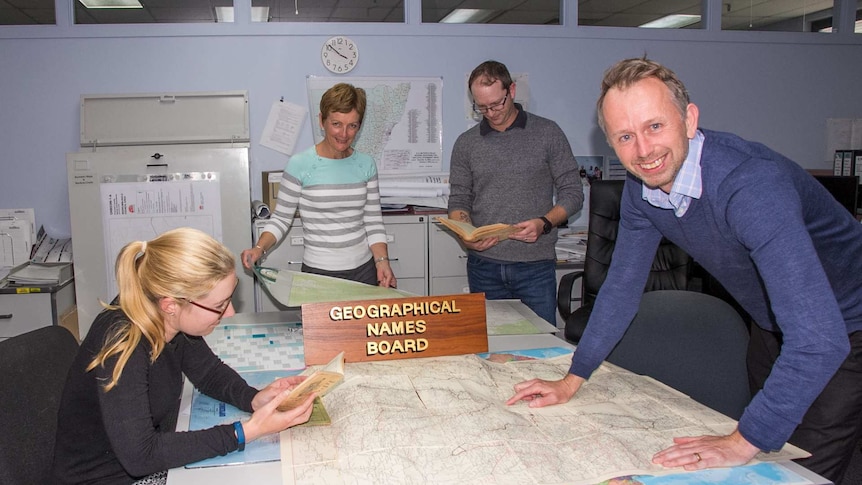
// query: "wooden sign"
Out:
[396,328]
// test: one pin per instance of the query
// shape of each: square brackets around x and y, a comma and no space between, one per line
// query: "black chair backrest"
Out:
[693,342]
[671,266]
[33,369]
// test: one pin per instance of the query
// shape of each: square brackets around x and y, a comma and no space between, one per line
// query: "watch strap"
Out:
[548,225]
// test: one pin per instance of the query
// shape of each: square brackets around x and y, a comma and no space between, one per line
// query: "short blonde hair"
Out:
[182,263]
[629,71]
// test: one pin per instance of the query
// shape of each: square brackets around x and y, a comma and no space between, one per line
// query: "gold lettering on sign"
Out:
[378,329]
[383,347]
[359,312]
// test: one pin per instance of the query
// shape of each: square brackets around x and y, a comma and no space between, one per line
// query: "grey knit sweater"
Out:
[511,176]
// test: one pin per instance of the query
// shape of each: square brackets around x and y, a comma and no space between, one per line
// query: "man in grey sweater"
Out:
[507,170]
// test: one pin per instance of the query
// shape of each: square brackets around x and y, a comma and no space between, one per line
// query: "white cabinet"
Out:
[406,236]
[447,262]
[23,312]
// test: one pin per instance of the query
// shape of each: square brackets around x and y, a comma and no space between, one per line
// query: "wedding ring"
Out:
[697,455]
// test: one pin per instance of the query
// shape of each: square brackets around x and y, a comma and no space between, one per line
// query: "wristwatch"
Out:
[548,226]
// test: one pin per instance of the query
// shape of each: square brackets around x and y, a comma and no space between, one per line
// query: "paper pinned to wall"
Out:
[282,127]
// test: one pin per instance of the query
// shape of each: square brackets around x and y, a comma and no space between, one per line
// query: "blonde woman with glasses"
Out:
[120,404]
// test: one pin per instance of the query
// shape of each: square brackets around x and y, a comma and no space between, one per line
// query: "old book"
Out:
[320,382]
[471,233]
[319,415]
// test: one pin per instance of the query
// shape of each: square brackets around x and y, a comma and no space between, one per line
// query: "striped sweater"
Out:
[339,202]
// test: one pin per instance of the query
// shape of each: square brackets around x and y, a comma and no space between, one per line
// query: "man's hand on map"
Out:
[539,392]
[699,452]
[268,419]
[277,386]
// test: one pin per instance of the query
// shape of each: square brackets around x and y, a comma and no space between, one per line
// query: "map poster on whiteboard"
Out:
[140,207]
[402,129]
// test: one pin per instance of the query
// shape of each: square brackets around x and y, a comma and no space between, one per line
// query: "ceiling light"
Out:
[674,21]
[111,3]
[467,16]
[857,28]
[258,14]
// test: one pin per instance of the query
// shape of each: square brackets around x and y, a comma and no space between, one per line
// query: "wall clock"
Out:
[339,54]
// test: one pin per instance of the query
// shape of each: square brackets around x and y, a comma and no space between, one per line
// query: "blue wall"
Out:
[777,88]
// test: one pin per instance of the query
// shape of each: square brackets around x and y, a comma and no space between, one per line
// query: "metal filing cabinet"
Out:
[447,262]
[26,309]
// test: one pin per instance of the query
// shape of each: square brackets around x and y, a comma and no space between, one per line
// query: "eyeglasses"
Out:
[491,107]
[218,312]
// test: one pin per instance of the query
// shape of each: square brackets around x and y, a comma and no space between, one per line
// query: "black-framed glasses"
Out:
[491,107]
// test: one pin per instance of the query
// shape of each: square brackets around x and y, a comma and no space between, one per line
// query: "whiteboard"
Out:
[96,238]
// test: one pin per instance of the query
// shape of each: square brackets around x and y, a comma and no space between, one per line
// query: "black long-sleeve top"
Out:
[118,436]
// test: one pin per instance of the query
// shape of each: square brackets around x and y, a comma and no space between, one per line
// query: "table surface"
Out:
[270,473]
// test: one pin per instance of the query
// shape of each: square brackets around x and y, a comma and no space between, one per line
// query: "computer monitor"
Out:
[843,187]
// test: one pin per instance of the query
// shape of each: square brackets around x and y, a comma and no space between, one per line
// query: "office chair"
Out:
[693,342]
[671,269]
[33,368]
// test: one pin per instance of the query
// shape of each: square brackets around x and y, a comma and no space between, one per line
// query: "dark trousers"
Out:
[832,427]
[367,273]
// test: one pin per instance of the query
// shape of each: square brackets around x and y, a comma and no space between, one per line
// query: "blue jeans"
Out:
[534,283]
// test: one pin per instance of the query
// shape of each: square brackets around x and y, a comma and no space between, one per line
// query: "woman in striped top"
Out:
[336,192]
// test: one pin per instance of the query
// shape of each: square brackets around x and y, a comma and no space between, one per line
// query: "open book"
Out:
[471,233]
[320,382]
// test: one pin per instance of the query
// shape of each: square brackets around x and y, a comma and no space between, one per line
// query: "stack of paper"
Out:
[571,246]
[35,274]
[428,190]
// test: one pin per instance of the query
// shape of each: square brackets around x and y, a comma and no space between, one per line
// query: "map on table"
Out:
[207,412]
[444,420]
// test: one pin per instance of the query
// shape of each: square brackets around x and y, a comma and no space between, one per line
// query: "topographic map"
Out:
[444,420]
[402,129]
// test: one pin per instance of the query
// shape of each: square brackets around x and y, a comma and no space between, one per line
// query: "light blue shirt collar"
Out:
[687,185]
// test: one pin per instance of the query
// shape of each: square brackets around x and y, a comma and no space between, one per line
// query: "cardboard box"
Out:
[69,320]
[269,185]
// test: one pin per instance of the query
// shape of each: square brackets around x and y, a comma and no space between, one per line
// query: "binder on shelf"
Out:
[848,161]
[857,164]
[838,163]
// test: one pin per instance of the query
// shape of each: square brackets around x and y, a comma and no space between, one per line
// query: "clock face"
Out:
[339,54]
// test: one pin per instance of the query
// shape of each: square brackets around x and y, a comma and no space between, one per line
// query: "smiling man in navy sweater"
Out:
[772,236]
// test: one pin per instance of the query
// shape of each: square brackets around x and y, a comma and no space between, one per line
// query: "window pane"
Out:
[661,14]
[330,10]
[775,15]
[533,12]
[154,11]
[27,12]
